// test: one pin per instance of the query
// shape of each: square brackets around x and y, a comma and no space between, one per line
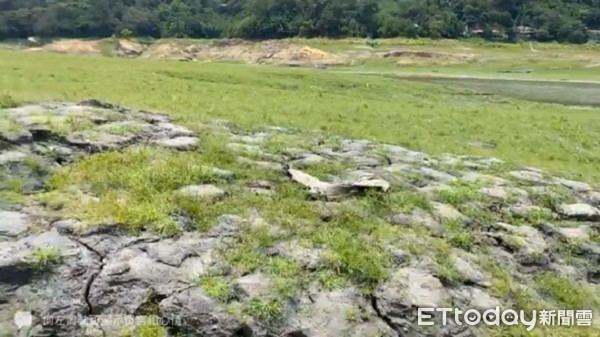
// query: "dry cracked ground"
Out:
[273,232]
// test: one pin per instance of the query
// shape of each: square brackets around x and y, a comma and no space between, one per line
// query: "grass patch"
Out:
[264,309]
[216,287]
[565,293]
[8,101]
[44,258]
[553,197]
[460,194]
[352,105]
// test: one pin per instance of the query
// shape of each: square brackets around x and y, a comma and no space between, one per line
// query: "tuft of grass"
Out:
[264,309]
[458,235]
[553,197]
[216,287]
[357,259]
[565,293]
[461,193]
[8,101]
[44,258]
[325,169]
[445,268]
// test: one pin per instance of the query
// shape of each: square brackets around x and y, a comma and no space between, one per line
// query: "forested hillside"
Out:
[561,20]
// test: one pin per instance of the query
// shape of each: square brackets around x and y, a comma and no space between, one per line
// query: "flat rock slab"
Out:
[579,211]
[12,223]
[179,143]
[201,191]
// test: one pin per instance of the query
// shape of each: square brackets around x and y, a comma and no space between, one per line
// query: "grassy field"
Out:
[421,116]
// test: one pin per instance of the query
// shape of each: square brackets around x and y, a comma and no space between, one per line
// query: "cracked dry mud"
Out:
[508,230]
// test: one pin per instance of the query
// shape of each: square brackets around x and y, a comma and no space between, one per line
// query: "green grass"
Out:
[44,258]
[565,293]
[264,309]
[216,287]
[460,193]
[421,116]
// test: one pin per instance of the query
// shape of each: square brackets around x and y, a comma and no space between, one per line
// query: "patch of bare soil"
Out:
[243,51]
[418,57]
[70,47]
[128,48]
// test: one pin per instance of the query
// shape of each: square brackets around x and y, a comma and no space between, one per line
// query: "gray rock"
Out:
[579,212]
[336,190]
[472,297]
[592,197]
[261,187]
[227,226]
[505,193]
[417,217]
[253,285]
[581,233]
[336,313]
[483,178]
[239,147]
[128,278]
[223,174]
[305,257]
[12,223]
[471,273]
[203,316]
[207,192]
[361,146]
[407,290]
[175,130]
[576,186]
[399,154]
[306,160]
[178,143]
[529,176]
[446,212]
[362,161]
[436,175]
[12,157]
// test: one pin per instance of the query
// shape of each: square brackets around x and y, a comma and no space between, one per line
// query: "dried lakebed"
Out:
[111,211]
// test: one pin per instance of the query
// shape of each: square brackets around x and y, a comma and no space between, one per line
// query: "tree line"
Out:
[546,20]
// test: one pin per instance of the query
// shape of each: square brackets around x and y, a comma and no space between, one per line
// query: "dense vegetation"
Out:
[561,20]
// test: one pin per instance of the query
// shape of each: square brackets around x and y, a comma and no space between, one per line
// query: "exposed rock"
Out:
[407,290]
[475,298]
[261,187]
[254,285]
[576,186]
[12,223]
[12,157]
[581,233]
[446,212]
[223,174]
[203,316]
[335,313]
[201,192]
[592,197]
[179,143]
[579,212]
[239,147]
[128,278]
[265,165]
[471,273]
[529,176]
[437,175]
[504,193]
[306,160]
[305,257]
